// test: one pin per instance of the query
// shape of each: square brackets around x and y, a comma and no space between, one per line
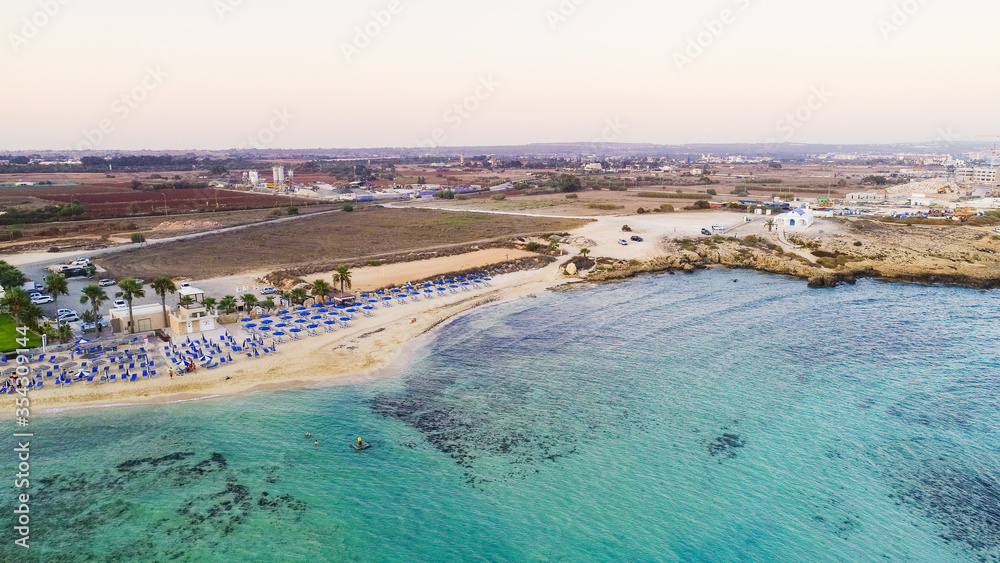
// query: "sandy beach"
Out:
[366,350]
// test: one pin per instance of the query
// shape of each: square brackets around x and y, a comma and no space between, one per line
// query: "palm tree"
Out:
[249,301]
[186,300]
[584,252]
[64,332]
[320,289]
[210,303]
[343,277]
[130,289]
[96,295]
[17,303]
[770,224]
[161,285]
[227,304]
[11,276]
[298,296]
[56,285]
[268,303]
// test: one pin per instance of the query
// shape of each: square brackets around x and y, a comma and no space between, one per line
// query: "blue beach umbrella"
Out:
[267,321]
[296,330]
[265,328]
[312,326]
[251,325]
[279,333]
[345,319]
[329,322]
[316,318]
[246,320]
[265,316]
[300,321]
[281,325]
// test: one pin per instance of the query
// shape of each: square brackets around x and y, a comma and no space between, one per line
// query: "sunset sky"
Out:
[217,74]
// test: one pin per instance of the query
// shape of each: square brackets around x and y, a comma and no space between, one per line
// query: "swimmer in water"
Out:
[308,435]
[317,442]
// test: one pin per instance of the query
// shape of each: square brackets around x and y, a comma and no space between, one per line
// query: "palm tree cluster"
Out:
[130,288]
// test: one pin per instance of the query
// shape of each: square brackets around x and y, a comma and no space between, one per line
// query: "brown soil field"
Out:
[340,236]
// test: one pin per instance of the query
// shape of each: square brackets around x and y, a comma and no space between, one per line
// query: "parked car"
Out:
[120,304]
[706,232]
[71,318]
[80,262]
[718,228]
[268,291]
[623,242]
[140,281]
[636,238]
[41,299]
[62,312]
[33,292]
[106,282]
[185,284]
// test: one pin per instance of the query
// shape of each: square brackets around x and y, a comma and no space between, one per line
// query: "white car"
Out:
[80,262]
[268,291]
[120,304]
[106,283]
[42,299]
[71,318]
[623,242]
[718,228]
[61,312]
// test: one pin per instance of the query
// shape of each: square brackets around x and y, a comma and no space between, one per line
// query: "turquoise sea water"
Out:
[671,418]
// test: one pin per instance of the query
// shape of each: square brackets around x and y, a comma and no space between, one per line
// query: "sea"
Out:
[720,416]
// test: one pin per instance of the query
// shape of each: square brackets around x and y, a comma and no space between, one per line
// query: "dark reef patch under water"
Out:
[198,500]
[966,505]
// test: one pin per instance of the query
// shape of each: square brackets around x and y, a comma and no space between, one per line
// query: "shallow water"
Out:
[670,418]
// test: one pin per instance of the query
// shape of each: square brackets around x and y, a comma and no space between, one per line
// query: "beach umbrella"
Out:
[82,341]
[287,318]
[368,308]
[265,316]
[246,320]
[323,310]
[282,312]
[281,325]
[267,321]
[449,281]
[279,333]
[299,321]
[295,330]
[312,326]
[428,291]
[230,358]
[329,322]
[315,305]
[387,299]
[265,328]
[251,325]
[300,308]
[316,317]
[453,286]
[379,293]
[345,319]
[441,289]
[352,310]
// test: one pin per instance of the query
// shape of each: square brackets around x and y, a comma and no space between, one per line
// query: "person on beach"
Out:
[171,372]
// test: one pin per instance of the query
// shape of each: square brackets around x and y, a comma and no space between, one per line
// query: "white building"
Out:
[978,175]
[796,220]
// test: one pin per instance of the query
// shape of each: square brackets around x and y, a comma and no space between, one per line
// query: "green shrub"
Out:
[292,210]
[348,207]
[533,246]
[138,237]
[711,191]
[750,239]
[641,211]
[666,208]
[499,197]
[572,196]
[605,206]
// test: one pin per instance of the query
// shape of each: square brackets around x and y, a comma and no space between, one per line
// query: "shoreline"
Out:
[373,348]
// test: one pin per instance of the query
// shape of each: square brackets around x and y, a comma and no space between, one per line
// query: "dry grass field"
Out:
[338,236]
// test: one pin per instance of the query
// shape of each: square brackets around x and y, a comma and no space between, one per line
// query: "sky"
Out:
[220,74]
